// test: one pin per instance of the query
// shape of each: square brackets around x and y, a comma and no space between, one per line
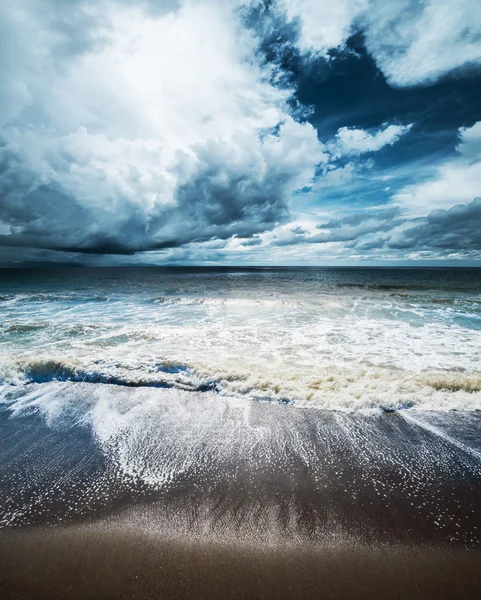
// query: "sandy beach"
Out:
[240,500]
[91,562]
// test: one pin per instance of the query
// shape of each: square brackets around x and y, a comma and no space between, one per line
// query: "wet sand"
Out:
[182,495]
[84,562]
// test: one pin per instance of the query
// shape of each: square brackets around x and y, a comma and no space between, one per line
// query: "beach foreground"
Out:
[111,492]
[100,562]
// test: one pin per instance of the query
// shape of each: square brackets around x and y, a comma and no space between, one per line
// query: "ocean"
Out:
[336,339]
[265,419]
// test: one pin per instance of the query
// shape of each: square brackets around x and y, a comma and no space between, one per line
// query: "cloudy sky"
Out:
[240,131]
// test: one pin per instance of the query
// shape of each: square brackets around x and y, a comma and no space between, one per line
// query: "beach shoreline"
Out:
[191,495]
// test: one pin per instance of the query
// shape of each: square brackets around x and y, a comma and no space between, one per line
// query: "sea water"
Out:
[335,339]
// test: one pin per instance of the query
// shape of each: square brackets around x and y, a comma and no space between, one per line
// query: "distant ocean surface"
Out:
[336,339]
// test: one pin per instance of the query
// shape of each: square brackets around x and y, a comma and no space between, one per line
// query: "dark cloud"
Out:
[458,228]
[299,230]
[387,214]
[347,229]
[219,193]
[91,164]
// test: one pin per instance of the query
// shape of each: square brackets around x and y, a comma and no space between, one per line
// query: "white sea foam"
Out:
[340,346]
[159,436]
[330,388]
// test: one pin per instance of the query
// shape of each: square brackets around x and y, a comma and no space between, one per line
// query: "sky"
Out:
[241,132]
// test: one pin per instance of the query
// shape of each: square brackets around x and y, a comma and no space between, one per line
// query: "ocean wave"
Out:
[341,388]
[81,328]
[157,437]
[46,297]
[453,382]
[25,327]
[233,302]
[166,300]
[333,388]
[389,304]
[420,286]
[33,370]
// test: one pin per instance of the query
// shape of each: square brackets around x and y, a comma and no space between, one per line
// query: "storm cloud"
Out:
[194,126]
[153,133]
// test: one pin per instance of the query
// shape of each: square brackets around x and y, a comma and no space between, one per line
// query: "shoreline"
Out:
[155,494]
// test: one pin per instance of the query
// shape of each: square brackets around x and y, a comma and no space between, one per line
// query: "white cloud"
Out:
[457,181]
[351,141]
[324,25]
[417,42]
[412,41]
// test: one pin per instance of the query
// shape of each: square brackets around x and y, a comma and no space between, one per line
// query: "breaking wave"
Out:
[333,388]
[45,297]
[27,371]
